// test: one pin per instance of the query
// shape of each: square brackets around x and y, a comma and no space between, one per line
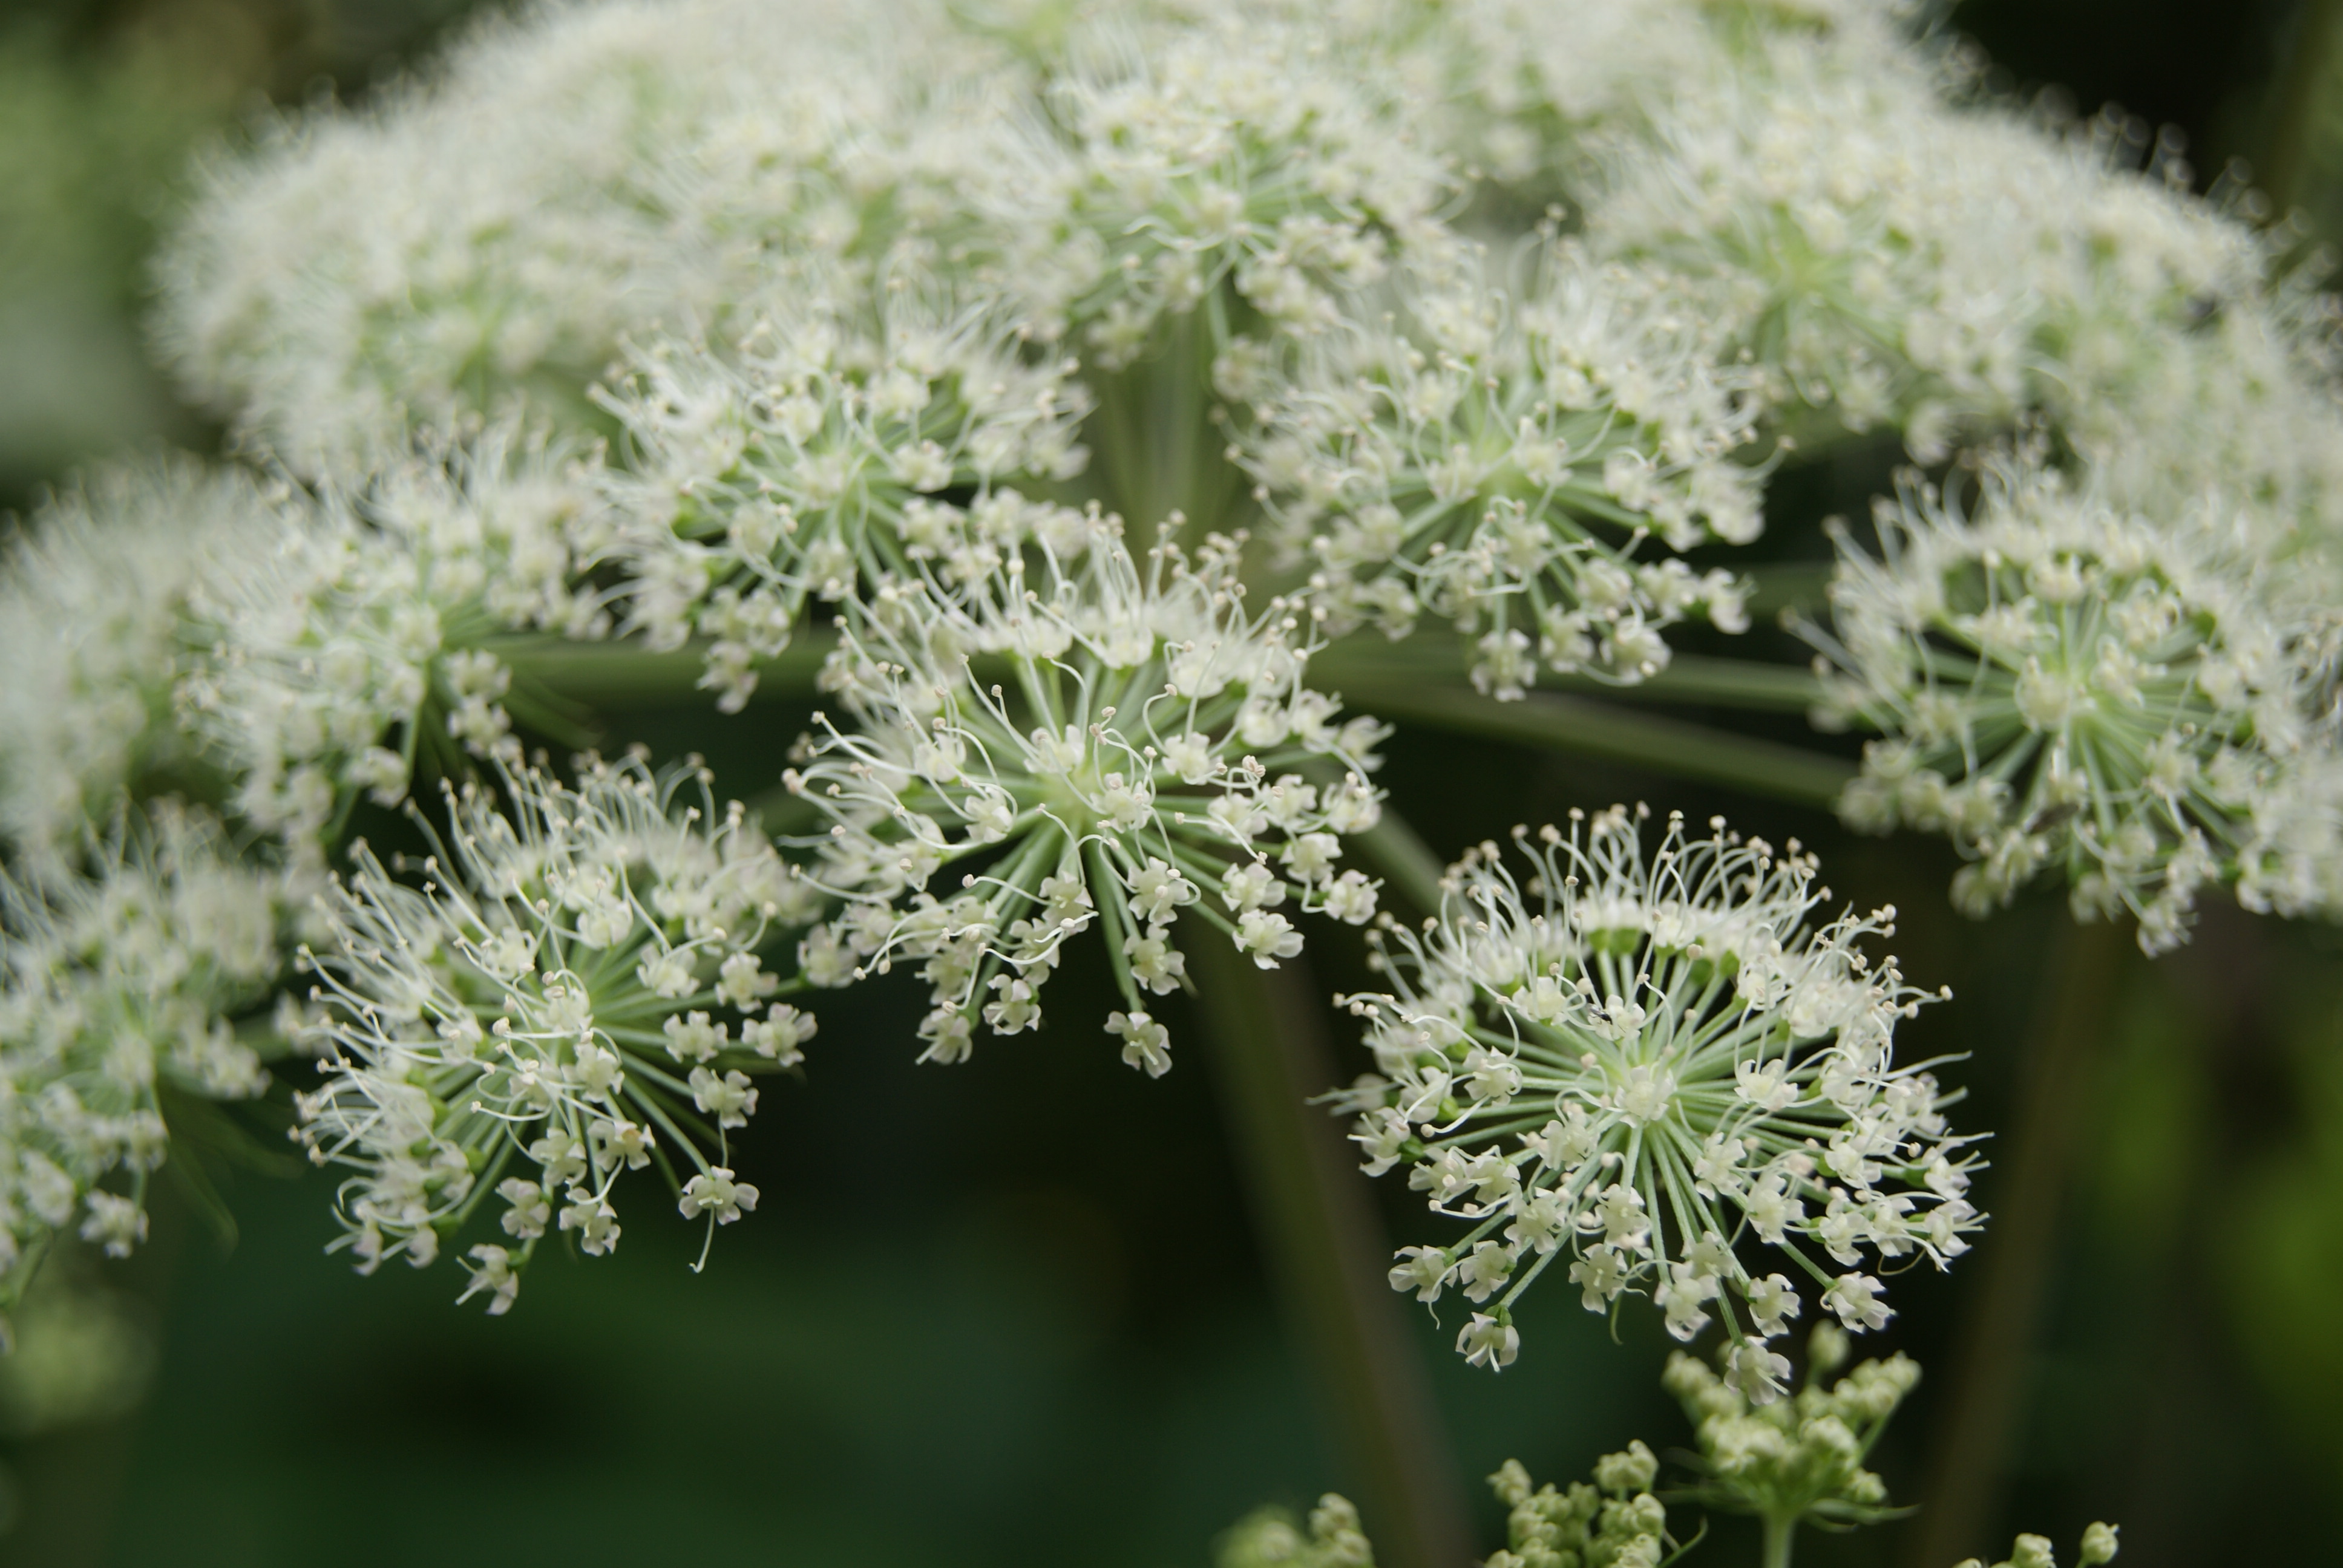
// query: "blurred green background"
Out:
[1014,1312]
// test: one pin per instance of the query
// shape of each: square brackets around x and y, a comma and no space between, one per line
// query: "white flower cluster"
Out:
[1642,1062]
[1891,257]
[1458,457]
[343,637]
[2147,707]
[1260,167]
[1094,738]
[560,1000]
[118,980]
[495,232]
[759,215]
[800,462]
[92,600]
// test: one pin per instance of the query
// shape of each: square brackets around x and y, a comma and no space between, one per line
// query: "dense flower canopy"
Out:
[1072,379]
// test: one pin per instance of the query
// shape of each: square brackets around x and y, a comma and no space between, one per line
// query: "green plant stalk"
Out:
[1407,863]
[1327,1254]
[1555,723]
[1993,1360]
[2288,159]
[626,672]
[1688,678]
[1780,1530]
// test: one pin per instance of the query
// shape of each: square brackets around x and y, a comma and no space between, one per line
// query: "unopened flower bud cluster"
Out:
[1800,1458]
[1617,1520]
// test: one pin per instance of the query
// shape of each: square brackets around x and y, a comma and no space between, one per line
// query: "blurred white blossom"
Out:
[92,599]
[2144,707]
[121,976]
[344,639]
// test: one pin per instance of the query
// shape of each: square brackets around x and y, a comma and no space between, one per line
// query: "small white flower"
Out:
[1855,1298]
[1488,1341]
[731,1098]
[1267,937]
[491,1270]
[1147,1044]
[714,1192]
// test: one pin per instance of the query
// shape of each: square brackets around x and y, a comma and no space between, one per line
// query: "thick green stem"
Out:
[1993,1364]
[1598,729]
[1327,1254]
[1781,1530]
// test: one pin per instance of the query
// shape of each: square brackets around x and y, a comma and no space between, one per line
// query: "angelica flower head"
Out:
[122,972]
[1272,156]
[1495,460]
[1643,1062]
[808,454]
[344,642]
[2065,685]
[1097,737]
[563,181]
[1891,256]
[93,597]
[574,990]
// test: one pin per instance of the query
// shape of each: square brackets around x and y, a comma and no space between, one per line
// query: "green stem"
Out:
[1406,860]
[1327,1254]
[627,672]
[1689,678]
[2289,154]
[1994,1360]
[1781,1529]
[1598,729]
